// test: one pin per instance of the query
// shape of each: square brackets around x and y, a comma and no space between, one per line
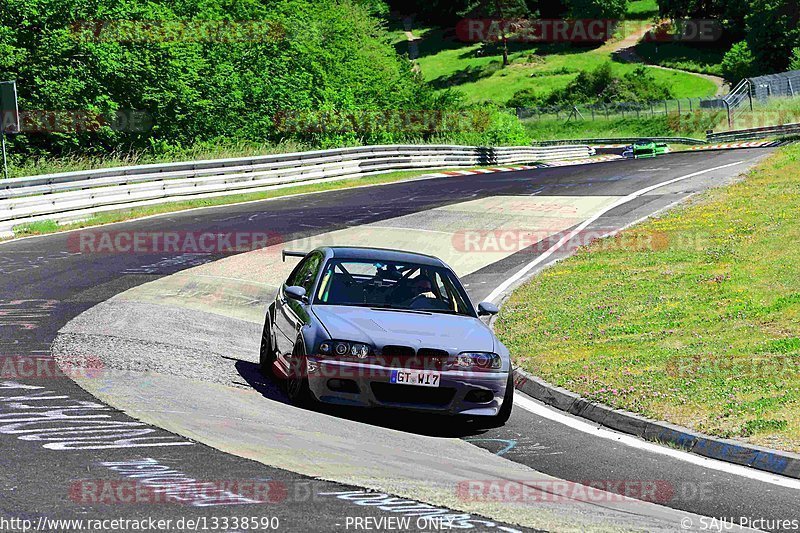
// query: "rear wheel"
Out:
[297,385]
[267,353]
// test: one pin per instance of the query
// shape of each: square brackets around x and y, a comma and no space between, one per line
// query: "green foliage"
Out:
[739,63]
[320,55]
[773,30]
[598,86]
[794,61]
[602,9]
[770,27]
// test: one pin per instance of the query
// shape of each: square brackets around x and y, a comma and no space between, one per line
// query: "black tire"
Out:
[267,354]
[297,385]
[504,414]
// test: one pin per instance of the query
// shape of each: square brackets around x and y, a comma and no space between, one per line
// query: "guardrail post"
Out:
[730,118]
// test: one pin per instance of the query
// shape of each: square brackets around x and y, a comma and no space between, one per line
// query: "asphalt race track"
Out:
[173,338]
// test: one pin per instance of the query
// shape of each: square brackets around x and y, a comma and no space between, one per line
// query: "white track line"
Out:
[639,444]
[628,440]
[565,239]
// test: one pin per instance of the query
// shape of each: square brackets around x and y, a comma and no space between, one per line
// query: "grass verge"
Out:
[693,317]
[597,129]
[50,226]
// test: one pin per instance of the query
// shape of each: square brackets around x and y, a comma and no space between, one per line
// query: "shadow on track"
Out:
[408,421]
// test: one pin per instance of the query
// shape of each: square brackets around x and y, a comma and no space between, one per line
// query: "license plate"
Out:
[421,378]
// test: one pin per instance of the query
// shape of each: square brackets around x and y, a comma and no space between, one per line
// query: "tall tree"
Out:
[501,10]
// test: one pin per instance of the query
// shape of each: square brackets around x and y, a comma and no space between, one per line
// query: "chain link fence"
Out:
[785,84]
[754,102]
[607,111]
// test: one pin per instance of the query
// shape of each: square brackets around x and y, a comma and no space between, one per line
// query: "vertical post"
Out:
[679,106]
[691,110]
[652,110]
[666,108]
[730,118]
[606,108]
[5,162]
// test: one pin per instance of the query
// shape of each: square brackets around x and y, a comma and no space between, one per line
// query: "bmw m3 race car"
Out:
[371,327]
[645,148]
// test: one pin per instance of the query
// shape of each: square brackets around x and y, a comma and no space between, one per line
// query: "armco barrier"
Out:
[621,140]
[754,133]
[74,195]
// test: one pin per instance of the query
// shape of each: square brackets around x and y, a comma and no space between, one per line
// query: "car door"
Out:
[291,315]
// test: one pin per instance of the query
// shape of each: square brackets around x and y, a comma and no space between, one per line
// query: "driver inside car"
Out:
[421,288]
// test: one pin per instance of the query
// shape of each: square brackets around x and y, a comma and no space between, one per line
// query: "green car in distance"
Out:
[645,148]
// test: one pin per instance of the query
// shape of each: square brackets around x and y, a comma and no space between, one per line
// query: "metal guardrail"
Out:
[754,133]
[621,140]
[75,195]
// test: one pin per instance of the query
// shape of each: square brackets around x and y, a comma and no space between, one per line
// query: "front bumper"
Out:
[368,385]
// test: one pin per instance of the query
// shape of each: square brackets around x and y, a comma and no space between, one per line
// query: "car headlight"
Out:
[358,350]
[476,361]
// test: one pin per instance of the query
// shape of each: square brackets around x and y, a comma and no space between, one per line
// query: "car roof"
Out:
[383,254]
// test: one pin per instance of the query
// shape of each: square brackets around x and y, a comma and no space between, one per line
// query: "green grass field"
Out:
[642,10]
[693,317]
[449,63]
[705,59]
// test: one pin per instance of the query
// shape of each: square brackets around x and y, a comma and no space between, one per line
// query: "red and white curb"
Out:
[586,161]
[730,146]
[490,170]
[563,163]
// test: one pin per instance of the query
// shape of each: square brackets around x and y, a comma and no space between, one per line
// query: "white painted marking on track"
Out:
[555,416]
[639,444]
[565,239]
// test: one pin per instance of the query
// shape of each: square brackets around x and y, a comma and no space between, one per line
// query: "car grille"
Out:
[397,351]
[404,357]
[410,394]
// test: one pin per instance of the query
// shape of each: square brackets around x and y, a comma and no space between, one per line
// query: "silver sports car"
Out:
[373,327]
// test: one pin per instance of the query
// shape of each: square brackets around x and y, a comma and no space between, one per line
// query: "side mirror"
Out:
[487,308]
[296,293]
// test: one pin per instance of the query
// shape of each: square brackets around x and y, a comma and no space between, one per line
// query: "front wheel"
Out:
[504,414]
[297,385]
[267,354]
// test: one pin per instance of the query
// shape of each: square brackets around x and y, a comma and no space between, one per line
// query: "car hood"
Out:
[379,328]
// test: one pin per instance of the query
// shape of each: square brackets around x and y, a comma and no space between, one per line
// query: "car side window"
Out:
[305,273]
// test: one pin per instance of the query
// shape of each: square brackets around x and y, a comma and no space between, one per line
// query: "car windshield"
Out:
[392,285]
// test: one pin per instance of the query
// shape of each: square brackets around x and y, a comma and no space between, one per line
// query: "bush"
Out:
[598,86]
[738,63]
[526,98]
[794,63]
[597,9]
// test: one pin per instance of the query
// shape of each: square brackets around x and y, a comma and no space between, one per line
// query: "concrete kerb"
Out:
[660,432]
